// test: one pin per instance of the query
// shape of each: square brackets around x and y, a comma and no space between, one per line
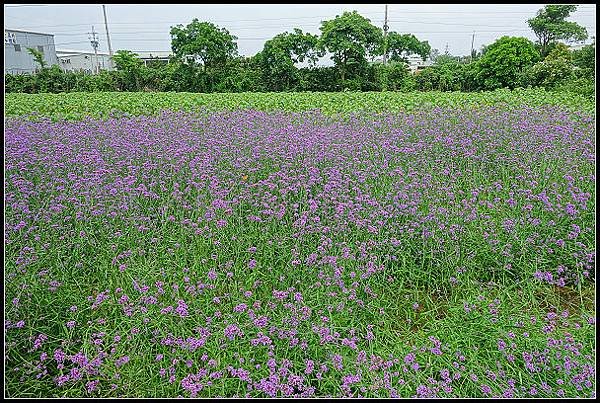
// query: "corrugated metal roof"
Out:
[71,52]
[28,32]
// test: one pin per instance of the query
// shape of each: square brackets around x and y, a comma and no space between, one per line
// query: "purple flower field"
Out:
[433,253]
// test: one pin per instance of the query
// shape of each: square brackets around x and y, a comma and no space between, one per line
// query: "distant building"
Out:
[17,60]
[154,56]
[416,62]
[82,60]
[413,62]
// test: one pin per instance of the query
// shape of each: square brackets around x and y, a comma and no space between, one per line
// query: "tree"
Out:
[126,60]
[204,42]
[550,25]
[394,76]
[38,57]
[321,79]
[585,59]
[398,46]
[242,74]
[554,70]
[445,75]
[560,51]
[298,46]
[351,38]
[129,69]
[280,55]
[504,61]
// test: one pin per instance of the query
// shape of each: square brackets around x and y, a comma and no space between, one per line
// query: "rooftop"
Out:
[71,52]
[27,31]
[153,53]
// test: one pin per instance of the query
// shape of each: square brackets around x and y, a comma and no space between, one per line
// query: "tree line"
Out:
[205,59]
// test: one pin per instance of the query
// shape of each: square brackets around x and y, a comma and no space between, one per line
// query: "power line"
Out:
[282,18]
[69,43]
[187,22]
[160,40]
[452,24]
[513,29]
[166,39]
[132,24]
[73,33]
[136,32]
[580,9]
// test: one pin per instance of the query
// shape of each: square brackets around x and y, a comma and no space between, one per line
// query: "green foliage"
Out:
[279,57]
[579,86]
[320,79]
[504,62]
[550,25]
[25,83]
[204,42]
[394,76]
[298,46]
[447,74]
[398,46]
[242,74]
[38,57]
[129,73]
[126,60]
[550,72]
[560,51]
[81,104]
[51,80]
[585,59]
[351,39]
[553,71]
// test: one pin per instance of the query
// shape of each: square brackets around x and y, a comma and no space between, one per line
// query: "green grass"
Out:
[79,105]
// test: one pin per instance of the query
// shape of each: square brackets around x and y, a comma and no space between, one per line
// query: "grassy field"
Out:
[432,245]
[75,106]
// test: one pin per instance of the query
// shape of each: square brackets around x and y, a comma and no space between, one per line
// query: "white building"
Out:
[154,56]
[413,62]
[416,62]
[17,60]
[81,60]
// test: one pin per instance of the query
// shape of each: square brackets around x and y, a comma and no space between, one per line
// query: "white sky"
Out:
[146,27]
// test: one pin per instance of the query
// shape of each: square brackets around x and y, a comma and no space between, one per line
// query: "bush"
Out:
[503,63]
[394,77]
[585,59]
[550,73]
[446,76]
[319,79]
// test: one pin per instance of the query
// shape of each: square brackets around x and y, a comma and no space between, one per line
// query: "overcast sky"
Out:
[146,27]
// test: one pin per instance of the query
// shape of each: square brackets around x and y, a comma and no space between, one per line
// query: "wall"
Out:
[21,62]
[83,62]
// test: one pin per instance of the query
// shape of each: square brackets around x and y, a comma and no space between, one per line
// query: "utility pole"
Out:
[92,36]
[472,41]
[385,30]
[110,63]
